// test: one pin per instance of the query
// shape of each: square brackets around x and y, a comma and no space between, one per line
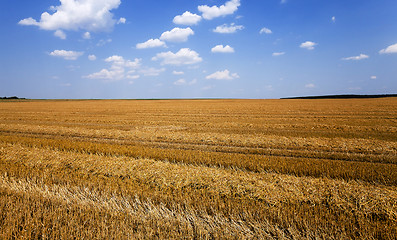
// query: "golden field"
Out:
[198,169]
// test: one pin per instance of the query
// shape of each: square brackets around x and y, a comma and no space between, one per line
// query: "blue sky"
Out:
[197,49]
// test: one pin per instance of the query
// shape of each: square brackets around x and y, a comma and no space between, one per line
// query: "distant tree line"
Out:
[346,96]
[13,97]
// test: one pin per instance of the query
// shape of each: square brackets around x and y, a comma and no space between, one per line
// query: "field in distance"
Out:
[199,169]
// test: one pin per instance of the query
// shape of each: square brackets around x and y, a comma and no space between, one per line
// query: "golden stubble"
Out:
[242,169]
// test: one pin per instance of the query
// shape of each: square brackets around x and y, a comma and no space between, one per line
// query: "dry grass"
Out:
[207,169]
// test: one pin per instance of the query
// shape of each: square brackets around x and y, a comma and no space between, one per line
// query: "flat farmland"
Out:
[198,169]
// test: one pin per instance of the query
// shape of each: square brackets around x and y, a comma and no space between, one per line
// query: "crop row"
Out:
[349,170]
[337,149]
[196,201]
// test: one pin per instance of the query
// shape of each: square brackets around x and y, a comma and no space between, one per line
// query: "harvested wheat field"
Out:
[198,169]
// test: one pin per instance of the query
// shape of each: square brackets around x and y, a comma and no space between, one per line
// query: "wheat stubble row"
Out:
[198,169]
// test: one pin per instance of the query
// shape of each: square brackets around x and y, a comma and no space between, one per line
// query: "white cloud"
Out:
[106,74]
[333,19]
[121,21]
[222,49]
[276,54]
[308,45]
[265,30]
[120,61]
[310,85]
[67,55]
[180,82]
[232,28]
[187,18]
[356,58]
[152,72]
[120,69]
[178,73]
[151,43]
[91,15]
[60,34]
[223,75]
[184,56]
[177,35]
[389,49]
[374,77]
[213,12]
[29,21]
[91,57]
[87,35]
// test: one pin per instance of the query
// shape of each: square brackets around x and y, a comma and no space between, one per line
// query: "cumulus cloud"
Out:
[276,54]
[232,28]
[177,35]
[222,49]
[178,73]
[356,58]
[28,21]
[91,15]
[187,18]
[310,85]
[180,82]
[308,45]
[67,55]
[120,69]
[213,12]
[374,77]
[122,21]
[184,56]
[389,49]
[265,30]
[91,57]
[223,75]
[151,43]
[87,35]
[60,34]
